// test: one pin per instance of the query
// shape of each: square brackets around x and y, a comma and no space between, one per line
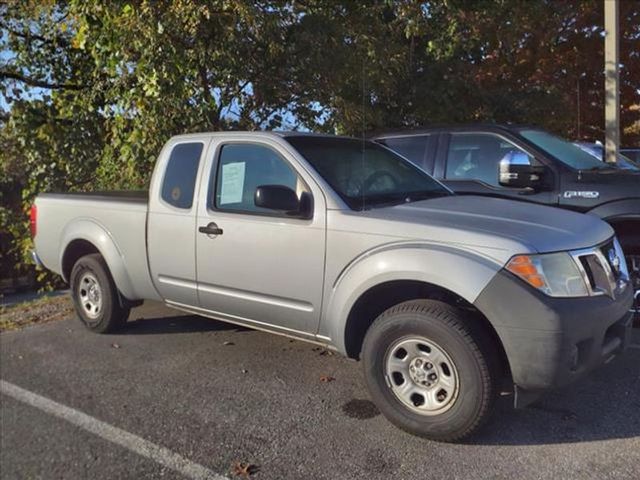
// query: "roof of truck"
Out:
[370,135]
[461,127]
[260,133]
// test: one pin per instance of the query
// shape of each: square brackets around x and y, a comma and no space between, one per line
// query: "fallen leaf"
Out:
[245,371]
[243,469]
[326,378]
[115,345]
[228,343]
[328,353]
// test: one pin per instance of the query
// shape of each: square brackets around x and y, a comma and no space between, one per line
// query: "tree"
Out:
[91,90]
[535,62]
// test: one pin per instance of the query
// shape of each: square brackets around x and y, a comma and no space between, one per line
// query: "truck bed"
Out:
[113,221]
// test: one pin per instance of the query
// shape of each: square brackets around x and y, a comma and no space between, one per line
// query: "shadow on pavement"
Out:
[603,406]
[177,324]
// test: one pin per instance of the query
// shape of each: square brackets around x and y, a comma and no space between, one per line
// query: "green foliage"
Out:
[92,89]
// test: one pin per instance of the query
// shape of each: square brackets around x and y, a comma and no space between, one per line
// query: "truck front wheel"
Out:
[95,296]
[430,372]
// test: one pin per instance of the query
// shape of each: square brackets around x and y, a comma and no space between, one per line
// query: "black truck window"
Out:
[476,156]
[412,148]
[180,175]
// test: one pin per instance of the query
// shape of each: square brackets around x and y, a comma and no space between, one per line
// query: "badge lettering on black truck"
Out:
[580,194]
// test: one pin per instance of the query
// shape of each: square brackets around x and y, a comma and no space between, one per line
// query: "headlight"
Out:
[555,274]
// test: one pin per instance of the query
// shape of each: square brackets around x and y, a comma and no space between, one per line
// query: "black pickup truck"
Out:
[530,165]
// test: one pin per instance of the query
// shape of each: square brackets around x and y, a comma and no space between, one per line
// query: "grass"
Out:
[42,310]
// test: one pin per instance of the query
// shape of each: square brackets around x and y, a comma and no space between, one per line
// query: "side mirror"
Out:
[277,197]
[516,171]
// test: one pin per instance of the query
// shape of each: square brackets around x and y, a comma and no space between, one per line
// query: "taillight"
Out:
[33,217]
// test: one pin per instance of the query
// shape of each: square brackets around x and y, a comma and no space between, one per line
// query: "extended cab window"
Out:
[476,156]
[180,175]
[411,148]
[242,168]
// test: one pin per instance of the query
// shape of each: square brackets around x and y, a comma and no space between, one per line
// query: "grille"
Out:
[603,268]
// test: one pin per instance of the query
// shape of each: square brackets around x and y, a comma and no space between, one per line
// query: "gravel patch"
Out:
[42,310]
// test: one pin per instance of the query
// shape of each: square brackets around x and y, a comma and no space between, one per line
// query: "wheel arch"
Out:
[627,230]
[384,296]
[85,237]
[74,251]
[624,218]
[386,278]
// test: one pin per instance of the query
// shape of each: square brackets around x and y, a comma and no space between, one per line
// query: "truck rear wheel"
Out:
[430,372]
[95,296]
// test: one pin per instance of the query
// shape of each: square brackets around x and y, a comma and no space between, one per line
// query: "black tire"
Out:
[110,315]
[467,346]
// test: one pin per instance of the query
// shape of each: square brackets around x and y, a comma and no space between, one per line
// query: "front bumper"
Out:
[551,342]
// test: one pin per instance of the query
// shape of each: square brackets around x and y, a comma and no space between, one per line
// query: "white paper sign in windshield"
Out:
[232,183]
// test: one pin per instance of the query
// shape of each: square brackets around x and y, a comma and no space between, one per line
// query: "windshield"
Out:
[597,151]
[565,151]
[627,164]
[366,174]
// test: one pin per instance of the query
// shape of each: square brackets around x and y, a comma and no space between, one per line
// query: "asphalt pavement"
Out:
[175,394]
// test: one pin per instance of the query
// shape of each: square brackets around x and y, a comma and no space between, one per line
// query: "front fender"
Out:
[618,210]
[462,272]
[96,234]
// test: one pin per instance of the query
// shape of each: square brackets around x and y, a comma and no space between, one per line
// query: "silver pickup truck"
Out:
[344,243]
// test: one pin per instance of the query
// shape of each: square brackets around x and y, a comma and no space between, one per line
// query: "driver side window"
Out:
[477,156]
[242,168]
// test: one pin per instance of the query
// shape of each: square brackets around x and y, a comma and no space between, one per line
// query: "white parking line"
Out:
[132,442]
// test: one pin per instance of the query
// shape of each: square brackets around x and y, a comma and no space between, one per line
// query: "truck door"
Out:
[470,163]
[171,224]
[261,267]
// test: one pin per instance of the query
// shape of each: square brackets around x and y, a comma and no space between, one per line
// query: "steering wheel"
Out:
[372,179]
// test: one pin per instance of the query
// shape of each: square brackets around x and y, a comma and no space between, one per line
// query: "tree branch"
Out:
[214,118]
[34,36]
[226,97]
[34,82]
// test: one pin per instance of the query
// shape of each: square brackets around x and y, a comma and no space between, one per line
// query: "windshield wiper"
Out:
[402,198]
[386,200]
[601,167]
[416,196]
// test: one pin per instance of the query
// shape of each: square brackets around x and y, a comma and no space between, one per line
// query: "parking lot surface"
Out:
[214,394]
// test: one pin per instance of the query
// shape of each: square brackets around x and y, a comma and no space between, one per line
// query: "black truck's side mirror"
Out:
[277,197]
[515,170]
